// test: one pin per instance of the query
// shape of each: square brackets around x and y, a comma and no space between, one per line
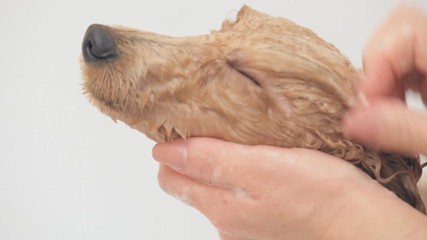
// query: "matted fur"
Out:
[258,80]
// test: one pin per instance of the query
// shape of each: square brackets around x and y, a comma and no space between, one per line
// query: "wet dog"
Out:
[259,80]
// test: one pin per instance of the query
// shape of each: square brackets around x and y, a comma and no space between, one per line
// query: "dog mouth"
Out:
[110,104]
[107,105]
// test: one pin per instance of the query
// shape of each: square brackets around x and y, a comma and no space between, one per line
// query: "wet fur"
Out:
[258,80]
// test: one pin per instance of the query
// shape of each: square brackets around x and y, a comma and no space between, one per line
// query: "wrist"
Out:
[372,212]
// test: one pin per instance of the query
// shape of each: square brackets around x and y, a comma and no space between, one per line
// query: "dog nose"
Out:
[99,44]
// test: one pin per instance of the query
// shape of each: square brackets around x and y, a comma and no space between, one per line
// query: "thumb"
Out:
[388,125]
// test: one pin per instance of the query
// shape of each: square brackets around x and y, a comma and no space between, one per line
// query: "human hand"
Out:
[395,60]
[263,192]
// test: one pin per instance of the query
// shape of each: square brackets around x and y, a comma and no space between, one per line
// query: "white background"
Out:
[69,172]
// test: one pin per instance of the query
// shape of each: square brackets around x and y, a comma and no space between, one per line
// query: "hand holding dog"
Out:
[267,193]
[263,192]
[395,60]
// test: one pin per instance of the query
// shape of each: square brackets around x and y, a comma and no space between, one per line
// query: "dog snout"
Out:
[99,44]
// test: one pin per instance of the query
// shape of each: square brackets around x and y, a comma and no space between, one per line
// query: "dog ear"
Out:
[268,68]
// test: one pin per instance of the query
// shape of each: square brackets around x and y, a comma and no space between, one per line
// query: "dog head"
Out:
[258,80]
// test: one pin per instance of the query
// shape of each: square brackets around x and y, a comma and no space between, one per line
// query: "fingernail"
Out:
[173,154]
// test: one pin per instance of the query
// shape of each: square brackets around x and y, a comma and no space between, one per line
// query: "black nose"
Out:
[99,44]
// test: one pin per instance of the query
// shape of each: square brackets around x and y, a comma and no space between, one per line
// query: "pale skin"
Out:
[269,193]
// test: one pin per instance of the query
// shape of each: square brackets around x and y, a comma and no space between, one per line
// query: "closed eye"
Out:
[245,74]
[250,78]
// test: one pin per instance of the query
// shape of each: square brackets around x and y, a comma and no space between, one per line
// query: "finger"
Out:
[380,77]
[212,201]
[396,49]
[236,166]
[212,161]
[388,125]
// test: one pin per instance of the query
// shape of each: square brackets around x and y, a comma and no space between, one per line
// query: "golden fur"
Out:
[258,80]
